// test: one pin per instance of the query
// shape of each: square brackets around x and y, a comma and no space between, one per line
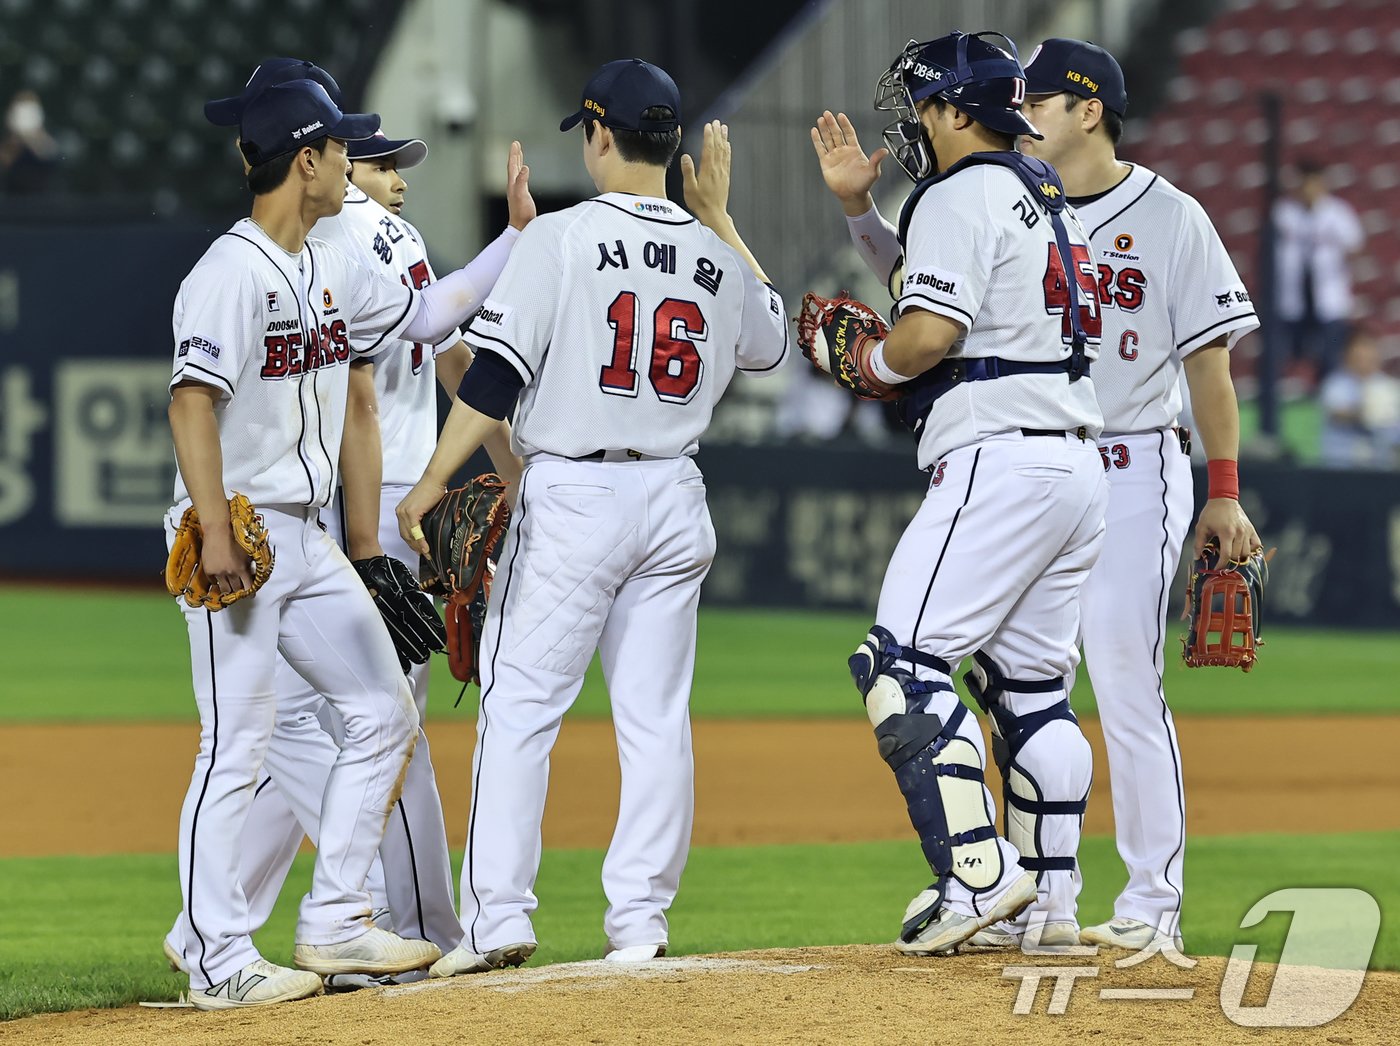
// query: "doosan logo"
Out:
[297,134]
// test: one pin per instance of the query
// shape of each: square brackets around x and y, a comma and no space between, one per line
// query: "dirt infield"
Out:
[757,781]
[814,995]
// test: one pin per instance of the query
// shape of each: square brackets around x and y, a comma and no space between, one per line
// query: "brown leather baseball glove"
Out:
[462,532]
[1224,605]
[184,569]
[837,335]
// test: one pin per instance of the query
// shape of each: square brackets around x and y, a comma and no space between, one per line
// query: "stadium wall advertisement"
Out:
[86,466]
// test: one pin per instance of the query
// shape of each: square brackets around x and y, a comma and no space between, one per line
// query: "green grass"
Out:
[98,942]
[1299,427]
[127,659]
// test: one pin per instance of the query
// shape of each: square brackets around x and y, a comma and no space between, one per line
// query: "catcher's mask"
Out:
[981,79]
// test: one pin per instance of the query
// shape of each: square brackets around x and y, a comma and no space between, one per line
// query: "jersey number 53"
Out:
[674,368]
[1057,292]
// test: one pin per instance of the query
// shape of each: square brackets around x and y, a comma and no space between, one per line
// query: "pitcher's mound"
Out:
[859,994]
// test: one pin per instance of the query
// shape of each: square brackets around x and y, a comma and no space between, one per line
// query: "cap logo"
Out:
[1049,191]
[591,106]
[297,134]
[1082,80]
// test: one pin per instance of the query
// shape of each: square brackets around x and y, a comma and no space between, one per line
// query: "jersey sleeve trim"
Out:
[205,377]
[394,331]
[1247,319]
[951,312]
[787,338]
[504,349]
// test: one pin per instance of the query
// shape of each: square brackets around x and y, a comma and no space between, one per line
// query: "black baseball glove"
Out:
[407,610]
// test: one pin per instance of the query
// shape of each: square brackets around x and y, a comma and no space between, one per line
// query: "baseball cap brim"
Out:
[224,112]
[355,127]
[570,122]
[1036,85]
[410,152]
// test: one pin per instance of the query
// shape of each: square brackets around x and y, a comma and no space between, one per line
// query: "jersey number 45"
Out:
[675,368]
[1057,296]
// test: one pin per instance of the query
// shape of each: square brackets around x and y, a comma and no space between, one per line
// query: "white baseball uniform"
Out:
[413,877]
[993,561]
[274,332]
[1167,288]
[626,320]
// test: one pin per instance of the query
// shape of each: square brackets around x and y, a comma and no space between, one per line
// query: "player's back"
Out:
[982,251]
[652,314]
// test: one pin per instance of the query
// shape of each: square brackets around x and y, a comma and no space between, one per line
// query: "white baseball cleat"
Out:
[1036,938]
[636,953]
[374,951]
[462,960]
[339,983]
[1122,932]
[947,929]
[260,983]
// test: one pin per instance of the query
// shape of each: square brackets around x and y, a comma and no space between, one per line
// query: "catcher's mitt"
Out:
[462,531]
[407,610]
[1224,606]
[838,335]
[184,569]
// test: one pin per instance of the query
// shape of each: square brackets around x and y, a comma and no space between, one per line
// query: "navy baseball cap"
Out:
[285,117]
[619,92]
[1078,67]
[410,151]
[226,112]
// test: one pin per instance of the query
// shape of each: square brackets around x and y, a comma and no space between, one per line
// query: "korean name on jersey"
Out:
[404,379]
[626,318]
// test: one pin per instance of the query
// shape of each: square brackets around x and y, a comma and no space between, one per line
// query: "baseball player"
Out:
[997,325]
[265,327]
[286,804]
[1172,303]
[617,323]
[1171,300]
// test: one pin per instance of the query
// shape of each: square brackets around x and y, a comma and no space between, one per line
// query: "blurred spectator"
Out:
[1317,235]
[1361,428]
[28,153]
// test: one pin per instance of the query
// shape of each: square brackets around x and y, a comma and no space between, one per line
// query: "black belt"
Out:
[1043,432]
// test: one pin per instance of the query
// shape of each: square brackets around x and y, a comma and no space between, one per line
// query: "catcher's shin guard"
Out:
[1044,780]
[938,770]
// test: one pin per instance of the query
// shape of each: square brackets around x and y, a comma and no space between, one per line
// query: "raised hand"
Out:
[847,171]
[707,187]
[518,198]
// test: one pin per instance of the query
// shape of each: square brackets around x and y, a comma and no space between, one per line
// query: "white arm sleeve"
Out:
[448,302]
[877,242]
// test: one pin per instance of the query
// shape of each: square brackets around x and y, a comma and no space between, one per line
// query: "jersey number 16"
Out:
[675,369]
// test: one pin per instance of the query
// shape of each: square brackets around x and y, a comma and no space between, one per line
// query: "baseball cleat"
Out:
[461,960]
[376,951]
[260,983]
[173,957]
[339,983]
[947,929]
[1049,936]
[636,953]
[1122,932]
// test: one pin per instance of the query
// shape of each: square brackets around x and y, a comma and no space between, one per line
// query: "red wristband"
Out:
[1224,479]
